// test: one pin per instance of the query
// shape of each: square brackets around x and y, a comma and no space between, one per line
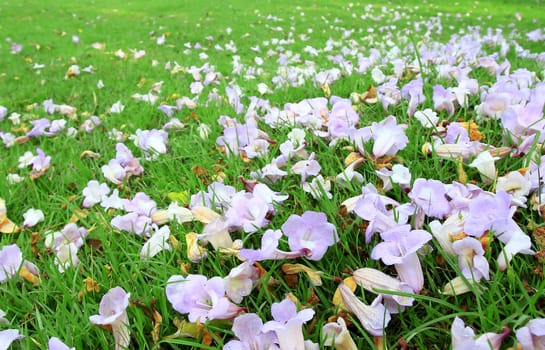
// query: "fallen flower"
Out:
[32,217]
[248,328]
[203,299]
[113,313]
[374,318]
[336,334]
[464,338]
[312,232]
[157,242]
[8,336]
[56,344]
[288,324]
[532,336]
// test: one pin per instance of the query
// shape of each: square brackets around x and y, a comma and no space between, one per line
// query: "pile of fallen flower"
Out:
[463,219]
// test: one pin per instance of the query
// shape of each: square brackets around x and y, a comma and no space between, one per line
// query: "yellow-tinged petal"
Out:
[194,251]
[350,282]
[314,275]
[89,154]
[29,276]
[8,226]
[354,157]
[160,217]
[79,214]
[204,214]
[457,286]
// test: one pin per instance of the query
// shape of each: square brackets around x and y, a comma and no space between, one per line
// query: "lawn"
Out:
[272,174]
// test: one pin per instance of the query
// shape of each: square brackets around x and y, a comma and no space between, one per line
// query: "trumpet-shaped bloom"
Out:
[484,163]
[288,324]
[312,232]
[532,336]
[8,336]
[471,259]
[306,168]
[389,137]
[248,328]
[11,259]
[399,248]
[240,281]
[269,249]
[157,243]
[373,279]
[94,193]
[430,195]
[70,233]
[56,344]
[113,312]
[464,338]
[201,298]
[336,334]
[374,318]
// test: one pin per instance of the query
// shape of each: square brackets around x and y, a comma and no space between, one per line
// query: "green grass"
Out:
[57,307]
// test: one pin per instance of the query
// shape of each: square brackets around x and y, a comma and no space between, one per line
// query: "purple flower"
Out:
[341,119]
[70,233]
[269,249]
[430,196]
[306,168]
[56,344]
[8,336]
[237,136]
[443,99]
[41,161]
[112,312]
[247,212]
[400,248]
[288,324]
[310,231]
[201,298]
[11,259]
[413,91]
[389,137]
[532,336]
[133,223]
[151,141]
[248,328]
[464,338]
[141,204]
[471,259]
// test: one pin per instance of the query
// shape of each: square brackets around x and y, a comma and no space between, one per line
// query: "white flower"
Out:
[401,175]
[517,185]
[26,159]
[94,193]
[297,136]
[378,76]
[157,242]
[262,88]
[428,118]
[2,318]
[32,217]
[318,187]
[204,131]
[100,84]
[66,256]
[14,178]
[117,107]
[485,165]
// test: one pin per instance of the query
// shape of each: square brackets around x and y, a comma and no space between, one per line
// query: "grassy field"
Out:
[89,57]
